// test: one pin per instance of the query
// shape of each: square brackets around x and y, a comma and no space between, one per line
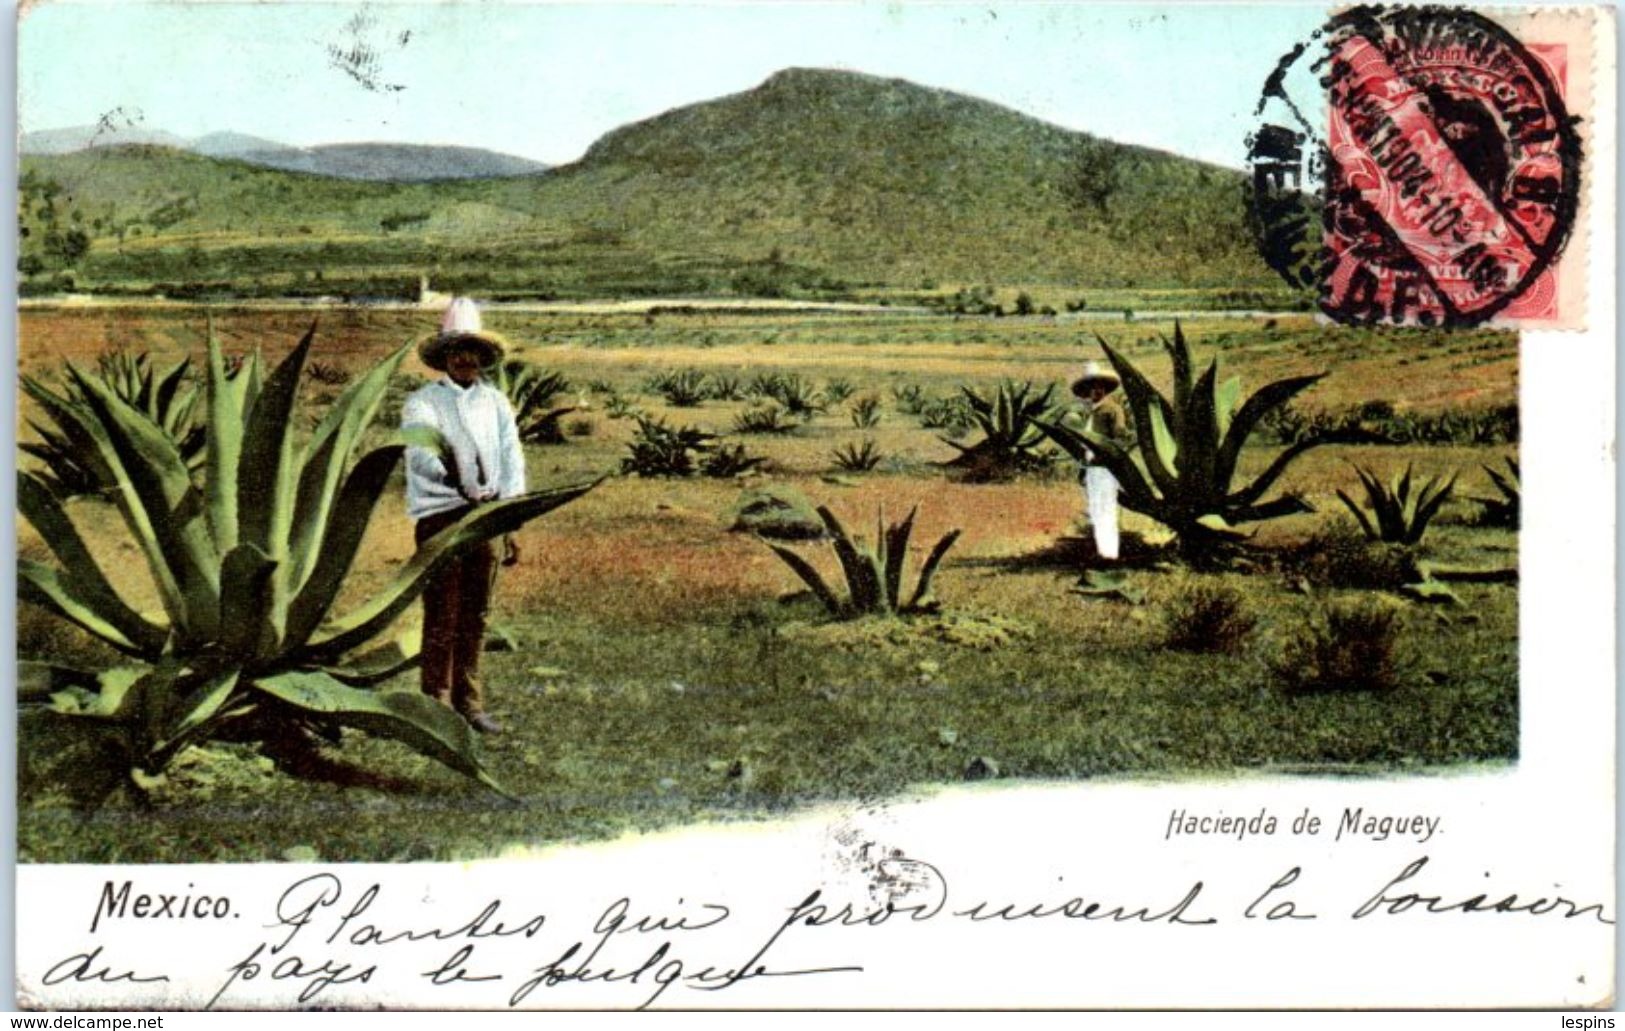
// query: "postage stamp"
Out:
[555,506]
[1442,166]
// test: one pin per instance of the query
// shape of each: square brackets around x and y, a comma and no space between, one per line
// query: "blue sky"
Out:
[545,80]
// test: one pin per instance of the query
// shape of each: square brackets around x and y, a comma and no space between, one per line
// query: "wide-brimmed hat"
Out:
[460,327]
[1094,372]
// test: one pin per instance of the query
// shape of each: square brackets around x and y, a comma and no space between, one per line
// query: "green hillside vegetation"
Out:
[815,184]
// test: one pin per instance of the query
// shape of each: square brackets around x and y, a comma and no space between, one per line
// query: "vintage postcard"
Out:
[814,505]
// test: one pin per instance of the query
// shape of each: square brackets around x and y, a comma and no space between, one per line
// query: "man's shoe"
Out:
[484,723]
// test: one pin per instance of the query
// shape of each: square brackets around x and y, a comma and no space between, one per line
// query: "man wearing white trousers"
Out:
[1100,414]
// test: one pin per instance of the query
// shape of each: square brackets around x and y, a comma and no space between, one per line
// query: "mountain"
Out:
[82,137]
[396,162]
[234,145]
[885,180]
[814,183]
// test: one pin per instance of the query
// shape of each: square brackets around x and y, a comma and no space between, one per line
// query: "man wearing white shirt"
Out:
[483,462]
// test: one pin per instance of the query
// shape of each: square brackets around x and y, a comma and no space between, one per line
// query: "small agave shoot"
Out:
[874,579]
[1180,470]
[247,564]
[166,397]
[1011,438]
[1397,515]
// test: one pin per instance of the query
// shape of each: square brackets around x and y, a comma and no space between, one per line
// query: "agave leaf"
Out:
[375,667]
[347,525]
[1370,531]
[857,568]
[1162,438]
[81,578]
[265,479]
[154,478]
[325,457]
[1142,398]
[90,441]
[1428,506]
[108,699]
[922,590]
[1246,420]
[224,446]
[810,577]
[42,585]
[480,524]
[1179,355]
[1225,402]
[413,719]
[193,701]
[163,395]
[896,550]
[247,631]
[1250,494]
[1287,504]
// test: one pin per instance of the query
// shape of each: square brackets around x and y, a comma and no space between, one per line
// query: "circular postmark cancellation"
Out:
[1415,166]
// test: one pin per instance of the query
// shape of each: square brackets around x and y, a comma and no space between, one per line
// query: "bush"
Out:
[838,390]
[728,461]
[1346,647]
[1340,556]
[685,388]
[1208,618]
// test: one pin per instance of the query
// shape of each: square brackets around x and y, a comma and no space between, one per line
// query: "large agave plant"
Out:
[165,396]
[531,390]
[247,567]
[874,579]
[1010,435]
[1180,471]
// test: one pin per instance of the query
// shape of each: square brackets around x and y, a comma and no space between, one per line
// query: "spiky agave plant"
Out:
[1181,469]
[1010,435]
[165,396]
[247,566]
[874,579]
[1506,510]
[531,390]
[1397,515]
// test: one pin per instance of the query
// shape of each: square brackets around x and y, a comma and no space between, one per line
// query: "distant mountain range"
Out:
[391,162]
[814,183]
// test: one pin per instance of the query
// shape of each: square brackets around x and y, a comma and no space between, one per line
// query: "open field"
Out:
[665,672]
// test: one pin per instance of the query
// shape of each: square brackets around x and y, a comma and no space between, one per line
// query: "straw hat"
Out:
[460,326]
[1094,372]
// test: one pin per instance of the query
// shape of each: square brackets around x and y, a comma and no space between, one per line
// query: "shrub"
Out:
[1181,467]
[865,412]
[1208,618]
[858,458]
[1344,647]
[1340,556]
[874,579]
[950,414]
[1397,515]
[247,567]
[797,395]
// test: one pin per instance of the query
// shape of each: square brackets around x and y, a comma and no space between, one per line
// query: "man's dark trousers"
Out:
[455,603]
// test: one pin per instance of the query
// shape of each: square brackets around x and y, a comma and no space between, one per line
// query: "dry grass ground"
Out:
[662,675]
